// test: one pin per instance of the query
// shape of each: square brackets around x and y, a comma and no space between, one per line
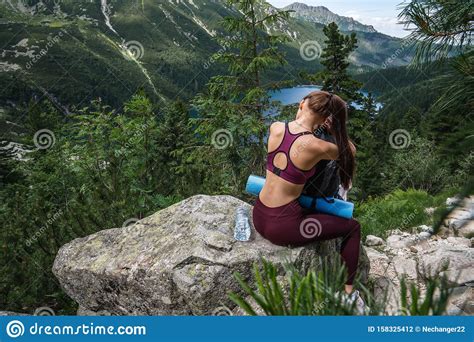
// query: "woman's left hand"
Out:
[328,125]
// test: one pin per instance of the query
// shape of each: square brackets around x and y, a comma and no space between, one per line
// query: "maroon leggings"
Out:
[292,225]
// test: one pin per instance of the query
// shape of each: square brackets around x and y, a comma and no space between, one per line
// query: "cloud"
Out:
[384,24]
[382,15]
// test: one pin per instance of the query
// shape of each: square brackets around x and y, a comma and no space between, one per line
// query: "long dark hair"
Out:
[329,104]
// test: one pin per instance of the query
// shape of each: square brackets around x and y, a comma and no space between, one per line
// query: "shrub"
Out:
[315,293]
[417,166]
[400,209]
[310,294]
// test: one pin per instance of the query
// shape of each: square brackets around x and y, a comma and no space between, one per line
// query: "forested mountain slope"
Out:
[73,51]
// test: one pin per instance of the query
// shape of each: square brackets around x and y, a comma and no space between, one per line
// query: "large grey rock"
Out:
[467,229]
[459,241]
[461,301]
[424,228]
[422,255]
[384,280]
[81,311]
[458,260]
[434,257]
[405,266]
[450,201]
[460,222]
[178,261]
[372,240]
[400,241]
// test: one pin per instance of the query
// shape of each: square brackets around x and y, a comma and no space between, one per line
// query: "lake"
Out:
[295,95]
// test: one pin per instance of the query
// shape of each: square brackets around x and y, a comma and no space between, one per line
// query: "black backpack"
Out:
[326,181]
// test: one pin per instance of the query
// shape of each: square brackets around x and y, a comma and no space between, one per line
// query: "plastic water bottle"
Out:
[242,224]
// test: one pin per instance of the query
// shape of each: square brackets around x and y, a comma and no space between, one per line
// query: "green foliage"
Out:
[7,173]
[174,148]
[397,210]
[173,50]
[317,293]
[416,166]
[335,78]
[440,26]
[107,165]
[440,139]
[335,59]
[434,302]
[233,107]
[287,112]
[361,131]
[465,170]
[437,107]
[444,27]
[451,123]
[388,79]
[457,83]
[104,168]
[296,294]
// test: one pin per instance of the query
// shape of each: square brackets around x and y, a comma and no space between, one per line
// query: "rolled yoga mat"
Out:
[328,205]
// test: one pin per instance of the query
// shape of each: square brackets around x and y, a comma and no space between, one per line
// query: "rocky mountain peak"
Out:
[322,15]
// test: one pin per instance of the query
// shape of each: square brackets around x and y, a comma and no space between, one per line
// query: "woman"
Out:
[295,151]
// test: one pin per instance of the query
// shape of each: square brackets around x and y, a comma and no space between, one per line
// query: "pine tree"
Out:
[369,106]
[441,29]
[176,139]
[232,111]
[335,60]
[361,121]
[7,168]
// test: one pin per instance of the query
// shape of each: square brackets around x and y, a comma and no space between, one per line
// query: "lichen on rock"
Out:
[178,261]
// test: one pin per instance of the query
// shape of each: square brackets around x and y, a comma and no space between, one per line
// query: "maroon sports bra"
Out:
[291,173]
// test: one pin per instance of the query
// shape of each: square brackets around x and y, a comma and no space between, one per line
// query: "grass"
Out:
[315,293]
[398,210]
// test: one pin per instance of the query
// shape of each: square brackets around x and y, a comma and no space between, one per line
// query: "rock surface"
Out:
[11,313]
[460,222]
[372,240]
[322,15]
[421,255]
[179,261]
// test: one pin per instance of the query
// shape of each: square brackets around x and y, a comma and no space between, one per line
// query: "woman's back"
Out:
[293,153]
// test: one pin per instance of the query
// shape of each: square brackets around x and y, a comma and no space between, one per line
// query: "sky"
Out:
[381,14]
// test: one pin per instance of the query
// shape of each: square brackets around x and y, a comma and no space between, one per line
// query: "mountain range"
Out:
[72,51]
[322,15]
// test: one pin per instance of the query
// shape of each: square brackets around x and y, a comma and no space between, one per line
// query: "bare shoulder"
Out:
[276,126]
[323,149]
[277,129]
